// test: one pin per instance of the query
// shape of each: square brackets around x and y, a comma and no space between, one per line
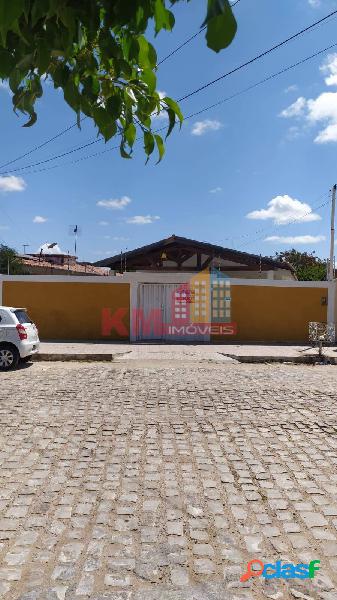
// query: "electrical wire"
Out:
[210,83]
[183,44]
[291,222]
[52,139]
[190,116]
[64,131]
[257,57]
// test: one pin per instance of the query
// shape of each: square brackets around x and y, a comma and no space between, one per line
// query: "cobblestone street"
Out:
[161,483]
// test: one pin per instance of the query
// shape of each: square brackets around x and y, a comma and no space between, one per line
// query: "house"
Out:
[59,264]
[180,254]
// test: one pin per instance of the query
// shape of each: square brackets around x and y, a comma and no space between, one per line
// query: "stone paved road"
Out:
[160,483]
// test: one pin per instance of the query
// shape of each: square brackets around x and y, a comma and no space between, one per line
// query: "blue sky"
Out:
[269,153]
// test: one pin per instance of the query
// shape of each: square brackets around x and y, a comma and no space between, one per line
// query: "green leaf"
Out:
[114,106]
[130,134]
[10,11]
[39,11]
[72,95]
[32,120]
[15,79]
[104,122]
[164,19]
[123,152]
[221,25]
[150,79]
[25,63]
[42,56]
[67,17]
[172,121]
[160,146]
[148,143]
[175,107]
[7,63]
[147,57]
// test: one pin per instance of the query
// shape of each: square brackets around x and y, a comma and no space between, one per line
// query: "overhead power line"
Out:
[301,32]
[52,139]
[181,46]
[258,83]
[192,37]
[190,116]
[257,57]
[296,220]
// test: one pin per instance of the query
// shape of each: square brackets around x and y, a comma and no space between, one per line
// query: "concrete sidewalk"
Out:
[125,352]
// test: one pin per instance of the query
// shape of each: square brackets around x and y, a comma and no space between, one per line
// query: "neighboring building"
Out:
[59,264]
[179,254]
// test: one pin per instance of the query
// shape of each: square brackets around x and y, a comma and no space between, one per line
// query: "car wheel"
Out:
[9,357]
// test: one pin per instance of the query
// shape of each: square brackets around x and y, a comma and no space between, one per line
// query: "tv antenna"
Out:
[75,230]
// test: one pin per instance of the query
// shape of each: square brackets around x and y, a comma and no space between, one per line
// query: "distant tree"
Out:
[98,53]
[9,256]
[308,267]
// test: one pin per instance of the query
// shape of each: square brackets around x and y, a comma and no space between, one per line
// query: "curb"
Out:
[308,359]
[58,357]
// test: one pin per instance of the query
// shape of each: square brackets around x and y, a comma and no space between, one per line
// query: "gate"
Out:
[164,315]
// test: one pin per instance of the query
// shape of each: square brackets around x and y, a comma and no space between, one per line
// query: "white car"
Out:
[19,338]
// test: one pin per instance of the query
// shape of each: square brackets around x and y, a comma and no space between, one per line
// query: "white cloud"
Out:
[215,190]
[329,67]
[291,88]
[45,250]
[293,133]
[120,238]
[116,204]
[296,109]
[283,209]
[10,183]
[39,219]
[103,223]
[321,110]
[142,219]
[201,127]
[314,3]
[296,239]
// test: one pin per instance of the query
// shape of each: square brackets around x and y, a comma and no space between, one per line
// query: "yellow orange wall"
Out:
[73,310]
[275,314]
[67,310]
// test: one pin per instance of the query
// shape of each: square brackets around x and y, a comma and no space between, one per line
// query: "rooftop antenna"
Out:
[125,259]
[75,230]
[24,247]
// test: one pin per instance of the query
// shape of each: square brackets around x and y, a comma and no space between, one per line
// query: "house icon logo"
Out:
[204,300]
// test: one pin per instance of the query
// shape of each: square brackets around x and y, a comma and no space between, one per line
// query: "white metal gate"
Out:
[157,314]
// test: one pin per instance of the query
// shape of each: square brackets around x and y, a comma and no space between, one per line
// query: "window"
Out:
[22,316]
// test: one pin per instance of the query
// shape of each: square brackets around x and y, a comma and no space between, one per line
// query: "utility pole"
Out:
[332,235]
[24,247]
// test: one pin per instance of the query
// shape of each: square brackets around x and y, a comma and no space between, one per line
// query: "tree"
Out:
[9,258]
[97,52]
[307,266]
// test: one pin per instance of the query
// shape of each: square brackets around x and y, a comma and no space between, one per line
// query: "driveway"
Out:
[125,482]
